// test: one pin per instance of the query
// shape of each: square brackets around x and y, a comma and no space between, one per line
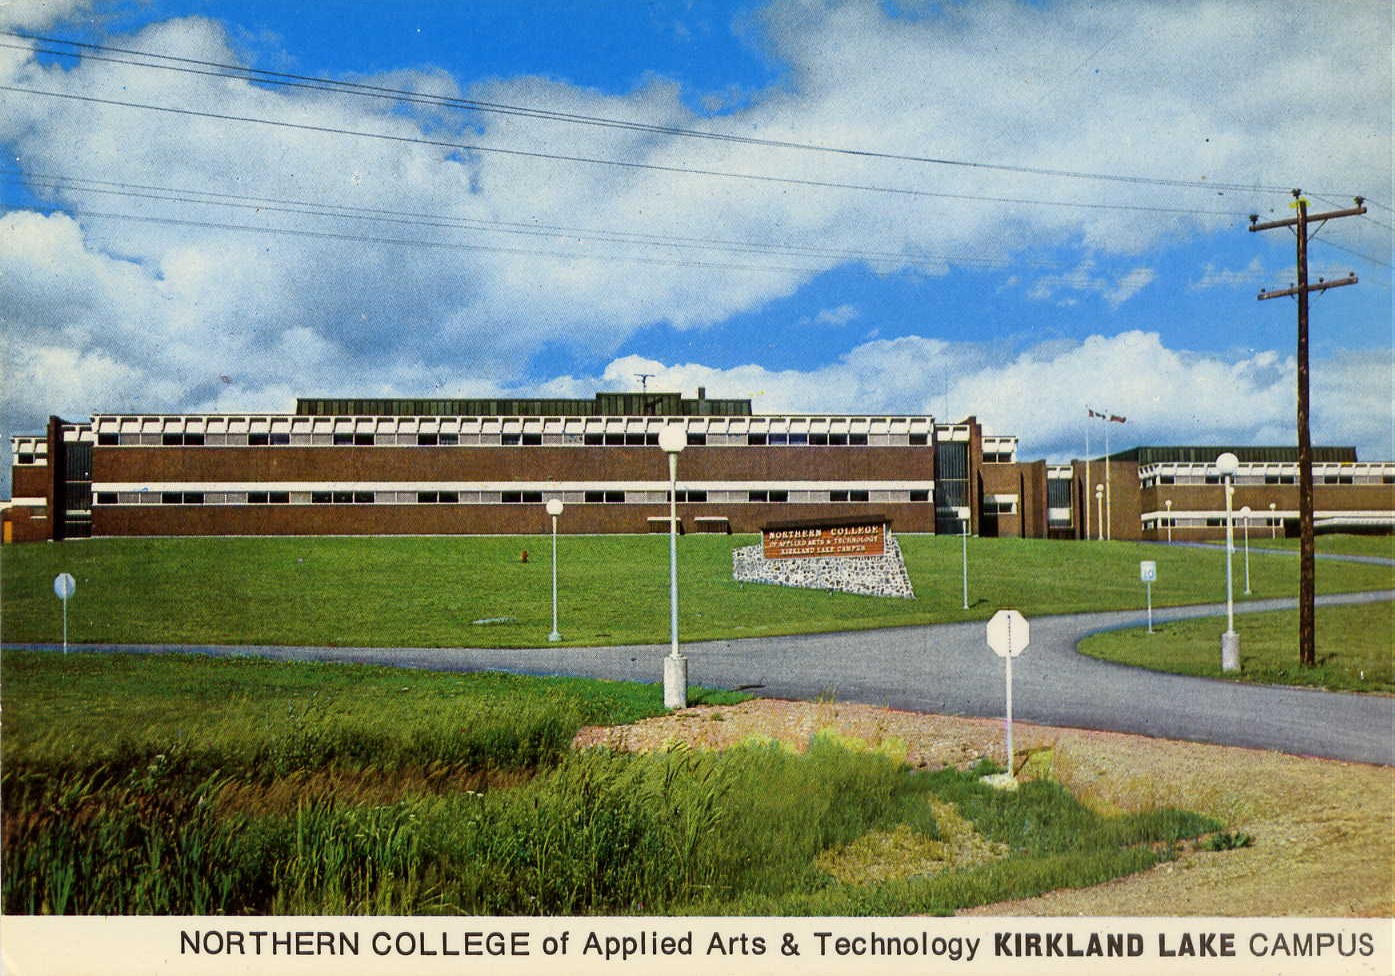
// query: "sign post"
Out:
[1008,635]
[64,586]
[1148,572]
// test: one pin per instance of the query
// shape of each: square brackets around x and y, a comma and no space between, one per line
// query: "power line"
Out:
[331,210]
[455,245]
[625,164]
[287,79]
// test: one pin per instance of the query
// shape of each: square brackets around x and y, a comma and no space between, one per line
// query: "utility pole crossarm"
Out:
[1320,286]
[1293,221]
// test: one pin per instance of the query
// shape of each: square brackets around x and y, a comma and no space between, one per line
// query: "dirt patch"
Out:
[1324,831]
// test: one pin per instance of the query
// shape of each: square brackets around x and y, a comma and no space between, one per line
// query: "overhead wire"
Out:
[457,245]
[625,164]
[288,79]
[332,210]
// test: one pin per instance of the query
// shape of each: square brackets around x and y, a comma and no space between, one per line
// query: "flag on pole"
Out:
[1116,419]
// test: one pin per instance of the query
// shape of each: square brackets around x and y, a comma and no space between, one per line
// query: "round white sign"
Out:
[1008,633]
[64,585]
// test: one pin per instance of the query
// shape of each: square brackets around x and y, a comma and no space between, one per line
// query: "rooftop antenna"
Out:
[644,381]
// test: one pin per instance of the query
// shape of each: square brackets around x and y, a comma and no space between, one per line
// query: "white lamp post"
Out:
[1273,521]
[672,439]
[1226,465]
[1168,505]
[1099,508]
[554,508]
[1245,517]
[964,550]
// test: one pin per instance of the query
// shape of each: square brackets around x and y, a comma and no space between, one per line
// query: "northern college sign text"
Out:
[828,537]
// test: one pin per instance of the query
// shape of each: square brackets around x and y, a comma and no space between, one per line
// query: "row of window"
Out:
[491,497]
[1268,479]
[1210,522]
[597,439]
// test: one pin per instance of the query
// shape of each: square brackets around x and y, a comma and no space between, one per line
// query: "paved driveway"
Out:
[950,670]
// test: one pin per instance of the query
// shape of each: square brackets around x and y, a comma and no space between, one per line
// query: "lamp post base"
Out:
[1230,651]
[675,682]
[554,636]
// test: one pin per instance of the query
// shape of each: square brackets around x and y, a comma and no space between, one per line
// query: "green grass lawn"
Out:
[186,785]
[1355,648]
[427,592]
[1345,545]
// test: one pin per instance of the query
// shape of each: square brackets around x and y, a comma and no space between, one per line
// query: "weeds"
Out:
[329,801]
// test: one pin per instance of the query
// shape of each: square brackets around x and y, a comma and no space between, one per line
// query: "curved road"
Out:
[949,669]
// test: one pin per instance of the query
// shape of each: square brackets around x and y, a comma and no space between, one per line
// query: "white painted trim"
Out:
[542,486]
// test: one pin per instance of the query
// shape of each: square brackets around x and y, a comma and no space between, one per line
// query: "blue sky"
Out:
[994,288]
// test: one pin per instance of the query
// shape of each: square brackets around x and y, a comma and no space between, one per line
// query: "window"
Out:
[27,458]
[1336,479]
[171,497]
[1213,479]
[426,440]
[427,497]
[757,496]
[593,440]
[449,497]
[779,496]
[1280,479]
[1167,479]
[363,498]
[341,440]
[321,497]
[105,440]
[279,497]
[997,457]
[257,498]
[532,440]
[799,439]
[511,440]
[697,440]
[857,440]
[692,496]
[343,497]
[920,495]
[176,440]
[611,497]
[363,440]
[106,498]
[818,440]
[918,440]
[280,440]
[756,439]
[837,440]
[193,498]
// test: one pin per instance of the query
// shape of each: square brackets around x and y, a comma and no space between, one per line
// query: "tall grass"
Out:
[667,833]
[199,786]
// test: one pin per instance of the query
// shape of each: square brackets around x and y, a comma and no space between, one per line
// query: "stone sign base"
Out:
[883,575]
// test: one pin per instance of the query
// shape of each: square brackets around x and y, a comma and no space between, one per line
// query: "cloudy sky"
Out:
[1014,210]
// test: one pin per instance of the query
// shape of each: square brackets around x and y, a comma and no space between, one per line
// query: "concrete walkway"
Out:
[948,669]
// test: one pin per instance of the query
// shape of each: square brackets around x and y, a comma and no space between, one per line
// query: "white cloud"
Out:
[1168,396]
[841,315]
[35,14]
[1083,280]
[1213,277]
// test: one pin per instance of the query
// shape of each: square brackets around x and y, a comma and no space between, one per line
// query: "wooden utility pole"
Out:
[1307,653]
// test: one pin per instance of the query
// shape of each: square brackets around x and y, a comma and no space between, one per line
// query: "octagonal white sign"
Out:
[1008,633]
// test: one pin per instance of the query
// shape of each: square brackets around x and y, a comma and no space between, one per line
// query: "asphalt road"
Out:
[948,669]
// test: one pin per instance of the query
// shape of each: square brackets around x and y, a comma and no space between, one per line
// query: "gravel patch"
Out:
[1324,831]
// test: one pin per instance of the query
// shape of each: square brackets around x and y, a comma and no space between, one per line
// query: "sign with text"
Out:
[832,537]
